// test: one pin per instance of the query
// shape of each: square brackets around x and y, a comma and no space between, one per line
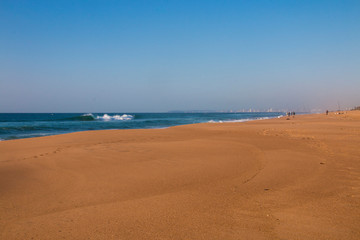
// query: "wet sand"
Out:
[267,179]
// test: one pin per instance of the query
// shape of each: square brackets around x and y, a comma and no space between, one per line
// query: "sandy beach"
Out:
[266,179]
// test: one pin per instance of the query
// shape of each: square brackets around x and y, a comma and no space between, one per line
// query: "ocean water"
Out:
[26,125]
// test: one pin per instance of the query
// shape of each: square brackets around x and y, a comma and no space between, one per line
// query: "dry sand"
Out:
[268,179]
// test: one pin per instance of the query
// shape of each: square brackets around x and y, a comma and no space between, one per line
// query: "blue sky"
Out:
[153,56]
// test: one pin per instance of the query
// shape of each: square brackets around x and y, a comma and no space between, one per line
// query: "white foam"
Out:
[231,121]
[243,120]
[107,117]
[213,121]
[34,134]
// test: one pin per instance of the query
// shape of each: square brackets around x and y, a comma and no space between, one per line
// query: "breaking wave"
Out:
[105,117]
[85,117]
[242,120]
[123,117]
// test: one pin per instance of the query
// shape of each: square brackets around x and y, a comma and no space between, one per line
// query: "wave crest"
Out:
[123,117]
[84,117]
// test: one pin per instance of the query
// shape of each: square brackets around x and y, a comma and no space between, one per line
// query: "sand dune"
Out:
[268,179]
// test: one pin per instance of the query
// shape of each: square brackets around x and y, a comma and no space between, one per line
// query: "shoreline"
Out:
[270,179]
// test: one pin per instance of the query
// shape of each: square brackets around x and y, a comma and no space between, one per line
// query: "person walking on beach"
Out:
[327,112]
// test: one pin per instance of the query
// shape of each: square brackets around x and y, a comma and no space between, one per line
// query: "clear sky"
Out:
[153,56]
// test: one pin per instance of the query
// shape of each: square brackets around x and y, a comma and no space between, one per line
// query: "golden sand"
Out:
[268,179]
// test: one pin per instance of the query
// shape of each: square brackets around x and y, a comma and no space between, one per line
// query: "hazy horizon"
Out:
[160,56]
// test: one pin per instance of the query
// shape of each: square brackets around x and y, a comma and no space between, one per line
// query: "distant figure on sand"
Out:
[327,112]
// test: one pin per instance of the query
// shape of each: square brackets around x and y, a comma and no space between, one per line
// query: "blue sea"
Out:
[27,125]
